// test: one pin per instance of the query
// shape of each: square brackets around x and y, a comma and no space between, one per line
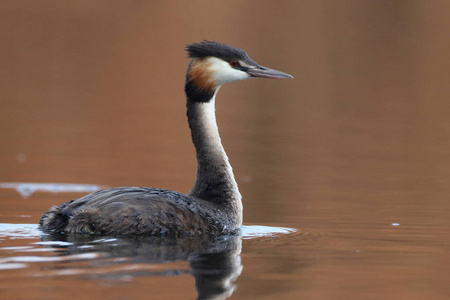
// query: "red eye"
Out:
[234,63]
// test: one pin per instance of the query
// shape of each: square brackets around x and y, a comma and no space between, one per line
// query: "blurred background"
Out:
[354,150]
[92,92]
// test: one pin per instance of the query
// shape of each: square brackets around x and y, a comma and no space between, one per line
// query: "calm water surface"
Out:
[353,153]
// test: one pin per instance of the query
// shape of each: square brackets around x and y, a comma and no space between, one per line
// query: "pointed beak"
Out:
[264,72]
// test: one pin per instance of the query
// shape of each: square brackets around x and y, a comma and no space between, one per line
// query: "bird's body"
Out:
[140,210]
[214,204]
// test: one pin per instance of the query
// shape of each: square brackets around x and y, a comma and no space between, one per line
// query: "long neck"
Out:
[215,181]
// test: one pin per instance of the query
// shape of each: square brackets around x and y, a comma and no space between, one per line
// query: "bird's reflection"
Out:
[215,262]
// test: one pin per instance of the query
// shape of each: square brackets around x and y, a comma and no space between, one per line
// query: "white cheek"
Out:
[231,75]
[224,73]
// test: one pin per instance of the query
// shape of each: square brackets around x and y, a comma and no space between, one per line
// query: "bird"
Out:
[214,204]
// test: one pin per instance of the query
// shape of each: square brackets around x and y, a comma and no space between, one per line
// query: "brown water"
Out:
[353,153]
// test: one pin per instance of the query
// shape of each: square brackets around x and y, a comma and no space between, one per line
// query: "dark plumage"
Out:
[137,210]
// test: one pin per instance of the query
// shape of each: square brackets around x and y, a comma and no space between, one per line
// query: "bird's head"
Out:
[214,64]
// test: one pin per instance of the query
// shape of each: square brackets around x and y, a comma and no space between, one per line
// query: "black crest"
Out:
[219,50]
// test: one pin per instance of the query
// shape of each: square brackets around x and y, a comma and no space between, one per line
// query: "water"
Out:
[26,189]
[353,153]
[214,262]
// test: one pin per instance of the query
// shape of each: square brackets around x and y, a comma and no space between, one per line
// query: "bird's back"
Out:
[137,210]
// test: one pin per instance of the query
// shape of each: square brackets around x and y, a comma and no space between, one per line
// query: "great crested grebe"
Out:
[214,204]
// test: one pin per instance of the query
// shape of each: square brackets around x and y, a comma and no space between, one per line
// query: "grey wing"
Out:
[127,211]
